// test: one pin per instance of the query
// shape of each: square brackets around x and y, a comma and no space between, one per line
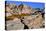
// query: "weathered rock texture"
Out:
[18,16]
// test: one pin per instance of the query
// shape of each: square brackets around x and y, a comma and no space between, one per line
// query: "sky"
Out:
[31,4]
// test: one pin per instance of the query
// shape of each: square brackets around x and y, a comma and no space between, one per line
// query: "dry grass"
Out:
[15,16]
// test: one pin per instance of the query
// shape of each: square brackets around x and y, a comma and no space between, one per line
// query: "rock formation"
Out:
[19,17]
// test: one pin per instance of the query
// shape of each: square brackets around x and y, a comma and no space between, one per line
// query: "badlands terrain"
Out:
[23,17]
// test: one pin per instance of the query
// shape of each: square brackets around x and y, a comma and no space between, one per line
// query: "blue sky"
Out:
[31,4]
